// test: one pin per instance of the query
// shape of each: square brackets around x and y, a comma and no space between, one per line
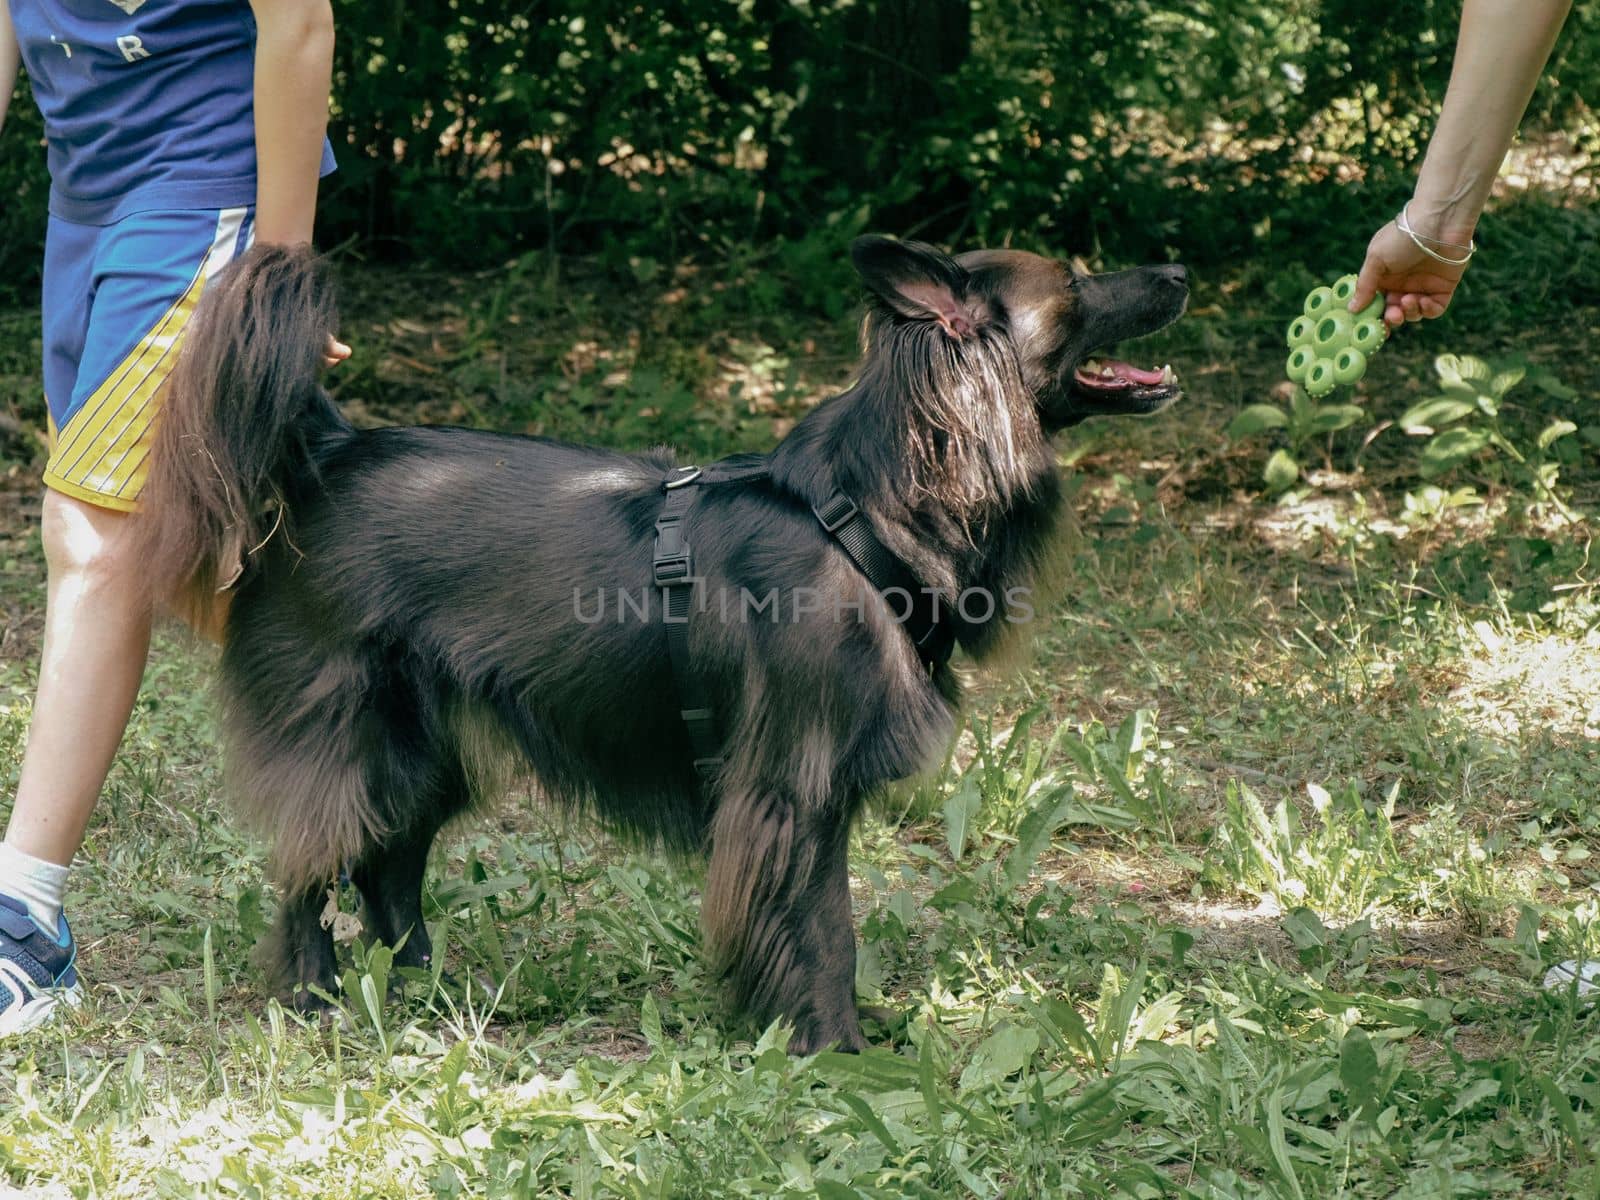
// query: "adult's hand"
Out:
[1414,284]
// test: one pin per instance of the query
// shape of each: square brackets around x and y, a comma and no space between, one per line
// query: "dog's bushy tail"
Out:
[243,411]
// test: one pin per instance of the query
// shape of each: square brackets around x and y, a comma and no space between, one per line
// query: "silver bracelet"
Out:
[1403,224]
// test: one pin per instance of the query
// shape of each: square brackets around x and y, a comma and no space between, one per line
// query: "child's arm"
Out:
[10,60]
[294,72]
[293,75]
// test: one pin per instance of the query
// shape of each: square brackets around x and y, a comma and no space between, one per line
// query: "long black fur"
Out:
[409,619]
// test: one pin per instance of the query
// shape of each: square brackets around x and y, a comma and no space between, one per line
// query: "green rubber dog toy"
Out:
[1329,345]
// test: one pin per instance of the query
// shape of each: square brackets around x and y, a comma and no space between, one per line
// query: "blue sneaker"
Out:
[36,969]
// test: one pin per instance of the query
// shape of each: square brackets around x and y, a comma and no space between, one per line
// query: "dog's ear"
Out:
[919,283]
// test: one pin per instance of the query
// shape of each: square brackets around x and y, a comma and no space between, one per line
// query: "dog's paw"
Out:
[307,1003]
[813,1037]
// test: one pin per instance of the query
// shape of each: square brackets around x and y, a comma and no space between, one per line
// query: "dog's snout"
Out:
[1176,274]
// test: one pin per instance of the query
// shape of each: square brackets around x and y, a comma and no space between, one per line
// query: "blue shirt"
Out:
[147,104]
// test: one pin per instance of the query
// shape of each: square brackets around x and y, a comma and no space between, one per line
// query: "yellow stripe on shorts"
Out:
[103,454]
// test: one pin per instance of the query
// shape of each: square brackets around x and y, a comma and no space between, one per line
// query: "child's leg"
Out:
[116,302]
[97,630]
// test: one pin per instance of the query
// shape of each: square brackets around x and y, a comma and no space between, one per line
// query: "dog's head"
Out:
[1055,319]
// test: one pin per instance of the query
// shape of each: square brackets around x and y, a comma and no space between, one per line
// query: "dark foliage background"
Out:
[471,131]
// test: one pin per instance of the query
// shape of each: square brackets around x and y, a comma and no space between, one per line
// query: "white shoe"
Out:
[1561,976]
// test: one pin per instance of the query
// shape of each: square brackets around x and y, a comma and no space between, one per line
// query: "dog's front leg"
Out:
[777,915]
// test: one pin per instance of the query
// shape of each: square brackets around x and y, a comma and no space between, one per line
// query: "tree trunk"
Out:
[873,77]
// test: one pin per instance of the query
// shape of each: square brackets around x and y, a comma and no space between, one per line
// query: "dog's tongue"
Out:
[1108,372]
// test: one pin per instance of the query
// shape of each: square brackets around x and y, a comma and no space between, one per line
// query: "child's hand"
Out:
[335,353]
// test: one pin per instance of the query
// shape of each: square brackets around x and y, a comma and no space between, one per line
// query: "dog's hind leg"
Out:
[298,953]
[346,759]
[777,915]
[390,875]
[299,723]
[390,880]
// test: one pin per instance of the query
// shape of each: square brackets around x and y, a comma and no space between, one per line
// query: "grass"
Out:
[1241,886]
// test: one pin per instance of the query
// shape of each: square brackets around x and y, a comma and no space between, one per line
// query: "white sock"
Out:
[39,884]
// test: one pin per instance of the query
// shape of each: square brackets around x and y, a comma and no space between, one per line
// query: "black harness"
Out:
[672,570]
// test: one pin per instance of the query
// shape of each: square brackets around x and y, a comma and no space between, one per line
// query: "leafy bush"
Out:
[1303,422]
[1463,423]
[1469,423]
[26,186]
[468,133]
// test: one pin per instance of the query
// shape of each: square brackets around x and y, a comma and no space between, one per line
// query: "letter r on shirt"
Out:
[132,48]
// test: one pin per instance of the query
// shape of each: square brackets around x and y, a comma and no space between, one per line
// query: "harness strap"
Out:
[917,608]
[672,569]
[737,468]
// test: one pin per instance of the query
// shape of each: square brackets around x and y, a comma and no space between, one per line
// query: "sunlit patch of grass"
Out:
[1241,888]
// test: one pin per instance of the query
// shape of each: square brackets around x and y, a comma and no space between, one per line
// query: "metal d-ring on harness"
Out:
[672,570]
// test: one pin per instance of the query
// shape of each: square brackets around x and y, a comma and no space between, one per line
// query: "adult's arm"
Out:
[1502,47]
[293,76]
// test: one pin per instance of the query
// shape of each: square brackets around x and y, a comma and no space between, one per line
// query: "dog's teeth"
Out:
[1168,375]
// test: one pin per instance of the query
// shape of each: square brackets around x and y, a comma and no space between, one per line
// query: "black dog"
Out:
[417,607]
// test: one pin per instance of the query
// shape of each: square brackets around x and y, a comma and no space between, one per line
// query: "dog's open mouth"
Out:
[1111,381]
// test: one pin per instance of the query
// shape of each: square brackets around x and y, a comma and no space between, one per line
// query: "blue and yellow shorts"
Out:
[116,300]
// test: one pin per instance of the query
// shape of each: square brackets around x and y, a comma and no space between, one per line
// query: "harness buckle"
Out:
[671,570]
[670,561]
[835,511]
[686,475]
